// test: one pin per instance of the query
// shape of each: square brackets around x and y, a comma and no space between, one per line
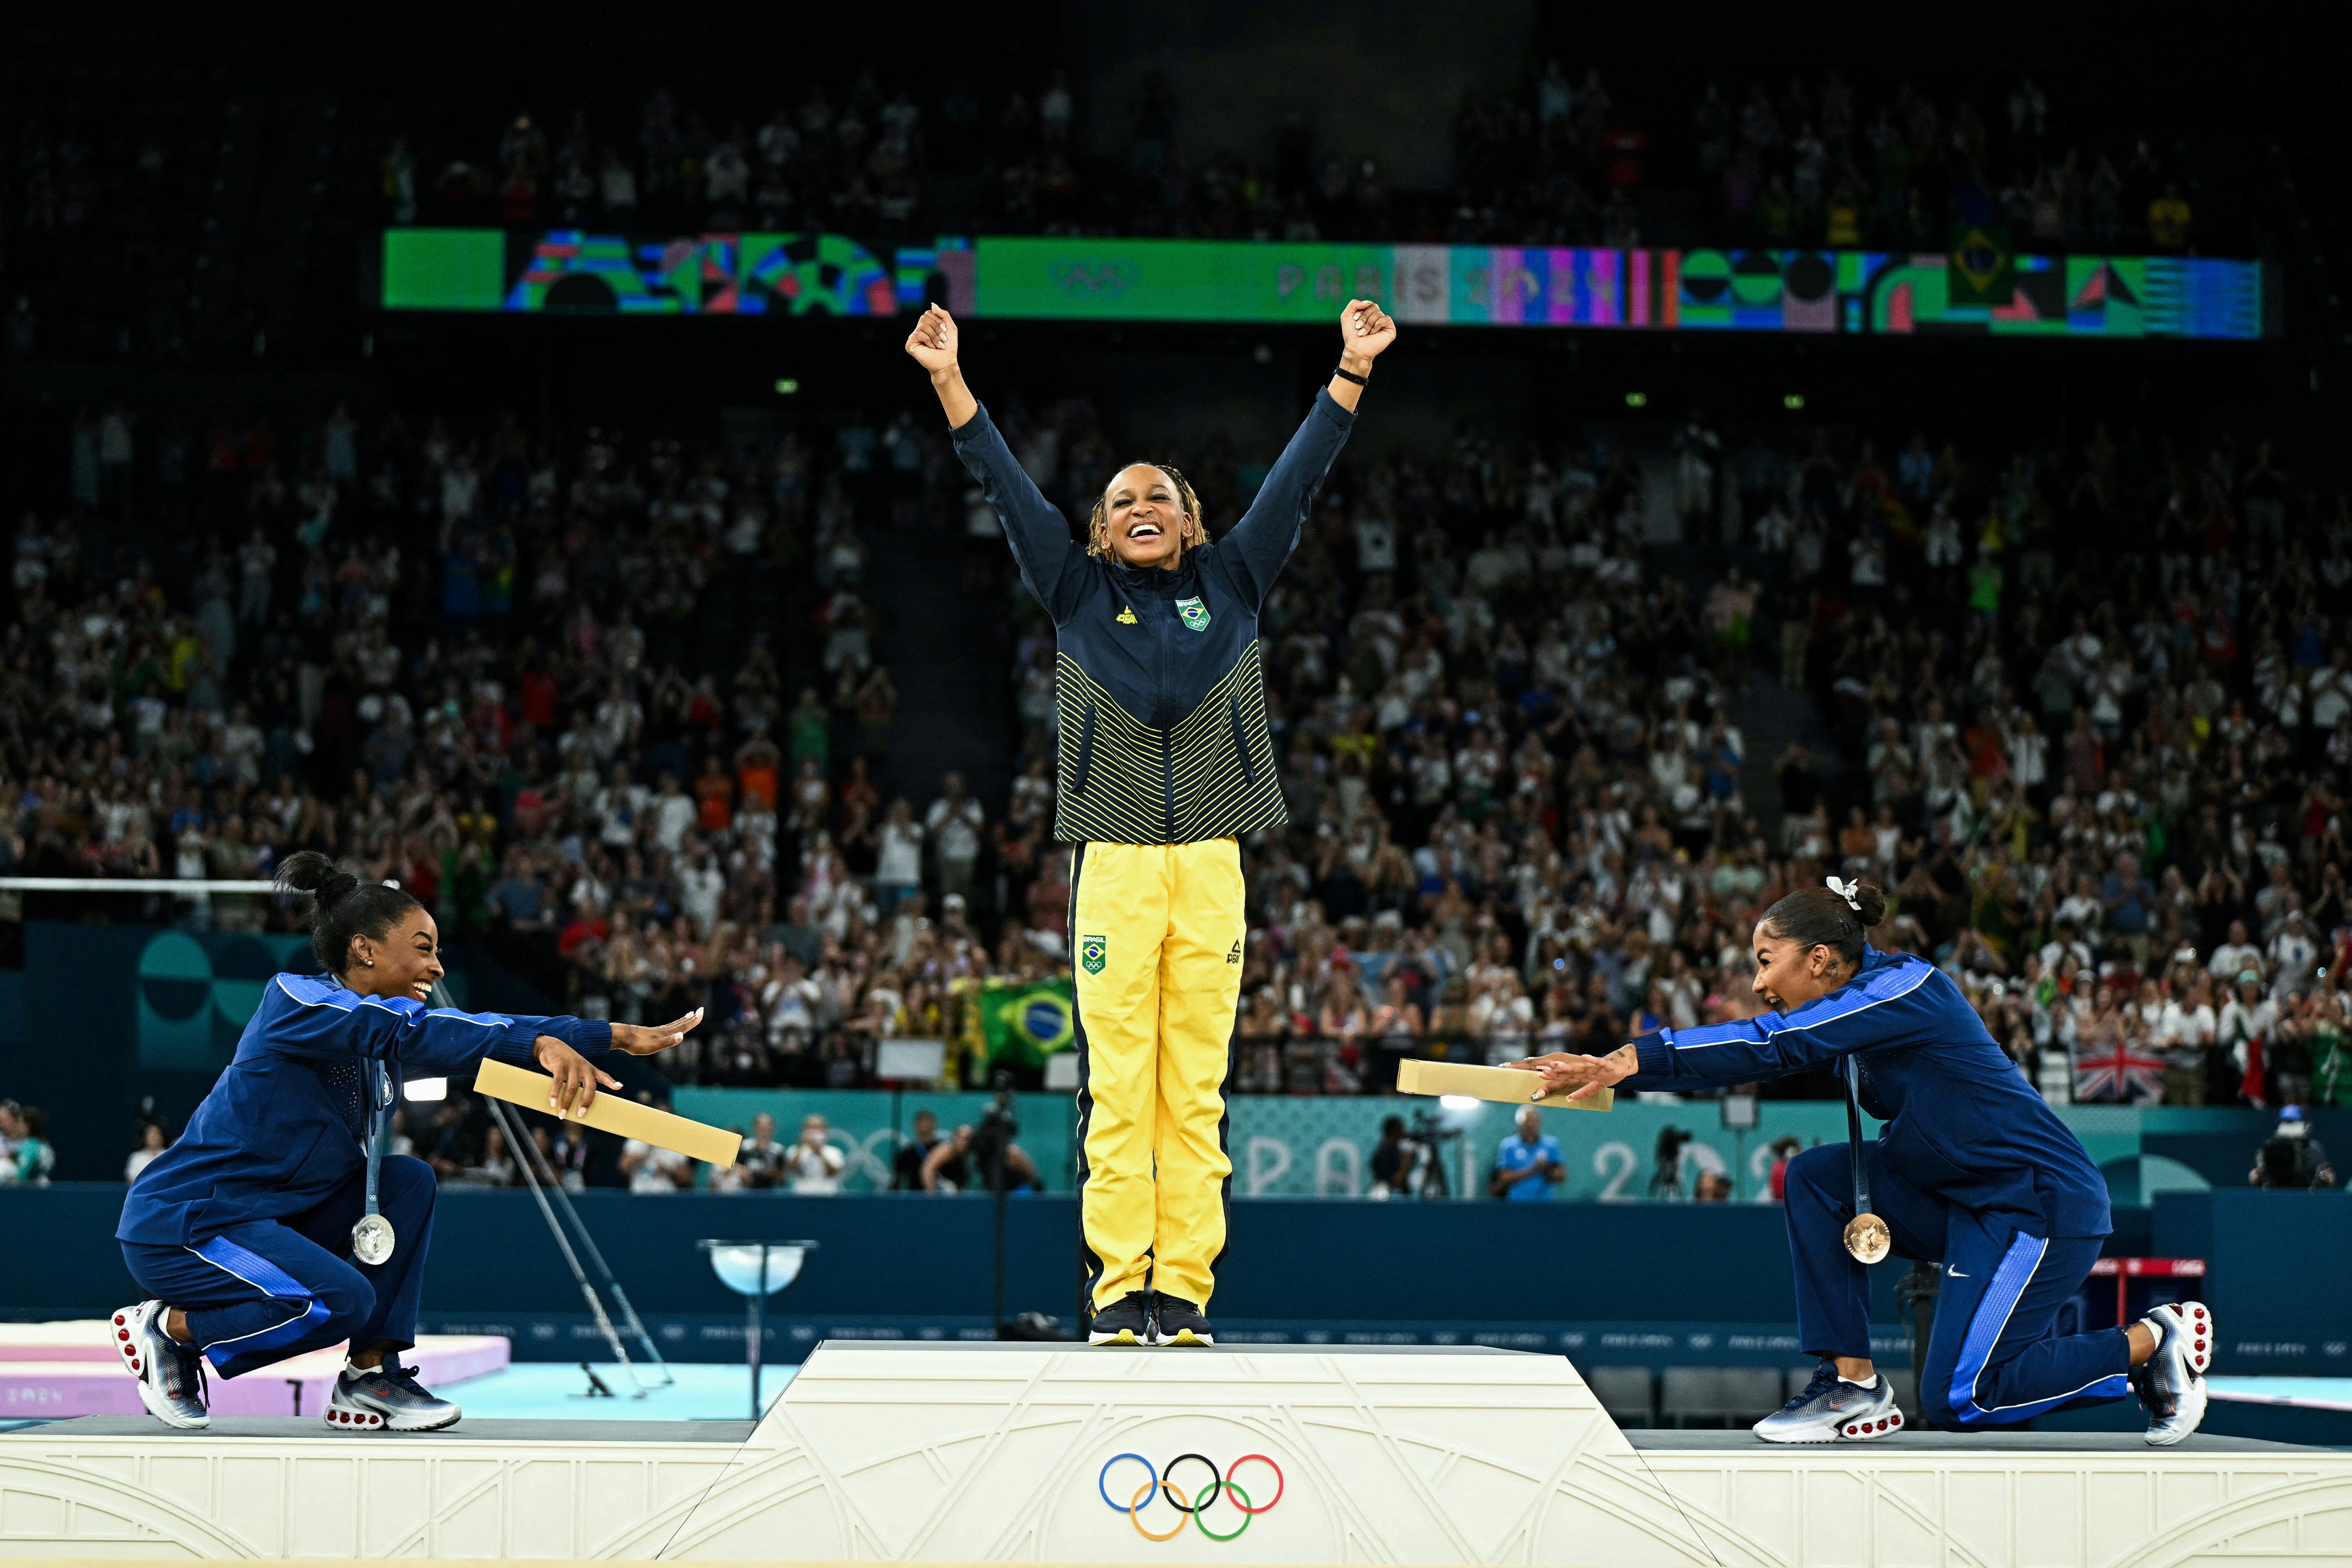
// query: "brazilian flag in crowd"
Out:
[1023,1023]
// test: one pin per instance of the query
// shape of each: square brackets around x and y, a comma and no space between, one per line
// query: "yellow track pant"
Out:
[1157,932]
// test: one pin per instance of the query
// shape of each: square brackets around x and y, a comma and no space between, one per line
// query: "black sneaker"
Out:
[1126,1322]
[1176,1322]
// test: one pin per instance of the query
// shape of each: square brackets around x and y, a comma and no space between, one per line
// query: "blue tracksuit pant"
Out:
[1991,1360]
[266,1290]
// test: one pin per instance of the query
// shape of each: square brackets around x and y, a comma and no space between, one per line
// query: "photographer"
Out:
[964,1162]
[2292,1159]
[1528,1165]
[1667,1181]
[1395,1158]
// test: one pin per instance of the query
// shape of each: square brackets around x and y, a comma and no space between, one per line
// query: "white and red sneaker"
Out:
[2171,1383]
[386,1398]
[170,1374]
[1831,1410]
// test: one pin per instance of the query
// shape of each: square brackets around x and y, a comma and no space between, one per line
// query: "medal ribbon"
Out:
[379,1127]
[1853,1135]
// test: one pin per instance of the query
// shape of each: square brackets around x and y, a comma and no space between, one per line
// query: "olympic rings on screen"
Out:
[1158,1480]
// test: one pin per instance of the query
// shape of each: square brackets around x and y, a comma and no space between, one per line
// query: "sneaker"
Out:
[1176,1322]
[1126,1322]
[170,1374]
[2171,1383]
[1833,1410]
[386,1398]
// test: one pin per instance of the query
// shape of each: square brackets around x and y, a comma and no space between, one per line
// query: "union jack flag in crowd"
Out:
[2121,1071]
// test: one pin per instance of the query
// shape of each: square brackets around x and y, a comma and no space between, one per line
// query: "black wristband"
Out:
[1344,373]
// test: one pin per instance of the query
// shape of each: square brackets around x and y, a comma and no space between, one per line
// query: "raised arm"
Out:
[1259,545]
[1050,560]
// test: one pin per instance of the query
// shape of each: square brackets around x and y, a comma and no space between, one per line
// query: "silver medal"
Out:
[372,1239]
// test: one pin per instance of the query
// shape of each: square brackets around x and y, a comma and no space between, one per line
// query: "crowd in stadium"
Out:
[1557,161]
[2103,790]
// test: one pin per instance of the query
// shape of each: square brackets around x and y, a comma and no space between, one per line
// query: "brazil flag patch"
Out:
[1091,953]
[1194,613]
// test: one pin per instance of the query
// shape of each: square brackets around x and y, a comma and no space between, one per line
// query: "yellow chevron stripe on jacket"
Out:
[1210,776]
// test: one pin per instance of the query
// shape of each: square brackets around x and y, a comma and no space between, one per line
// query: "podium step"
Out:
[955,1453]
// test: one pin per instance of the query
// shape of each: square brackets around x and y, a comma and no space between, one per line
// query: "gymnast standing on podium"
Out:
[274,1226]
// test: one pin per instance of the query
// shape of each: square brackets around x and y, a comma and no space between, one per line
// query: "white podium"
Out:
[998,1453]
[957,1453]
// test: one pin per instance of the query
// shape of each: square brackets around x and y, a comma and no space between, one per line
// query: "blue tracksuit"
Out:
[245,1223]
[1972,1170]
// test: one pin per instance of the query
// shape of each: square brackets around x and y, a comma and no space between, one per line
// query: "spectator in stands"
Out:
[1527,1167]
[651,1169]
[907,1166]
[152,1143]
[763,1158]
[813,1165]
[953,825]
[27,1155]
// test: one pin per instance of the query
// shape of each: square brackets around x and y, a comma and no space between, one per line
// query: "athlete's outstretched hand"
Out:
[577,1077]
[1583,1075]
[1365,328]
[933,341]
[645,1040]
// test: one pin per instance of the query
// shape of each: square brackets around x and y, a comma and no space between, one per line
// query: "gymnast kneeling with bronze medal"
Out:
[1972,1171]
[277,1224]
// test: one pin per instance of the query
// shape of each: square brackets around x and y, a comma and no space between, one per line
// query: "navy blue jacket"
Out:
[283,1126]
[1962,1120]
[1162,711]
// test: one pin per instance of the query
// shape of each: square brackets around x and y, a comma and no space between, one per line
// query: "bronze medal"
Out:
[1867,1238]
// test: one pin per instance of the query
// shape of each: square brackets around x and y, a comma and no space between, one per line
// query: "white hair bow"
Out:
[1850,891]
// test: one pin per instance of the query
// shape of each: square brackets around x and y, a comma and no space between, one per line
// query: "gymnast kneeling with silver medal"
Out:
[277,1224]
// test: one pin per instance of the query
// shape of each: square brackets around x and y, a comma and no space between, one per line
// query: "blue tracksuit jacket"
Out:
[1163,734]
[282,1129]
[1962,1121]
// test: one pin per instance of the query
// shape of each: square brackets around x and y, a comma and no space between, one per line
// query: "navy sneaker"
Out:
[1176,1322]
[386,1398]
[1126,1322]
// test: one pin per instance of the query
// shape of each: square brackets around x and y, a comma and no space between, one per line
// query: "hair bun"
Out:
[308,871]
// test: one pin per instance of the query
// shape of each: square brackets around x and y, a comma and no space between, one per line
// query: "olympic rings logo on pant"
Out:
[1161,1483]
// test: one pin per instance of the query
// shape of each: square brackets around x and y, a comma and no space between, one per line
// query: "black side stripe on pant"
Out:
[1091,1265]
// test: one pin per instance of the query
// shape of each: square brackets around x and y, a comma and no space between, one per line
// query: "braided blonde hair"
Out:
[1191,536]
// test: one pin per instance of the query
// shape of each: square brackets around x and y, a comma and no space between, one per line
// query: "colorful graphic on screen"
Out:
[1978,287]
[571,271]
[1854,292]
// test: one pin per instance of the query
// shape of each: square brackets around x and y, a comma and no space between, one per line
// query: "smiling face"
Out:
[1143,517]
[406,959]
[1788,975]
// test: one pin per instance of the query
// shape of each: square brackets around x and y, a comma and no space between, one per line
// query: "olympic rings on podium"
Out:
[1158,1480]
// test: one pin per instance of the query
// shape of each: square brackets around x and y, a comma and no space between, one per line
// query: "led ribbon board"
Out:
[1837,292]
